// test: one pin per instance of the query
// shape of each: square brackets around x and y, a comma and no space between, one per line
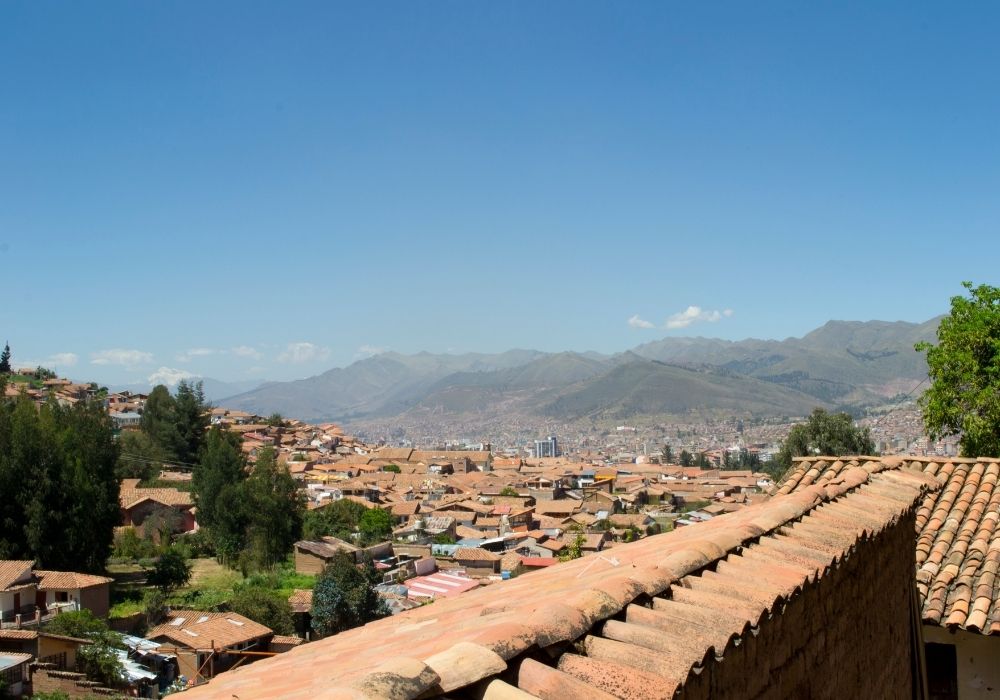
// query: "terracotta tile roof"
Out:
[67,579]
[301,600]
[710,584]
[958,535]
[12,570]
[200,630]
[167,496]
[475,554]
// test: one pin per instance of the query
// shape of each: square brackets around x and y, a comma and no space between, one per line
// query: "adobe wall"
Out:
[44,679]
[848,636]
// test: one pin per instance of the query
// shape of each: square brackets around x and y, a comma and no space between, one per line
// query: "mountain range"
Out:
[841,364]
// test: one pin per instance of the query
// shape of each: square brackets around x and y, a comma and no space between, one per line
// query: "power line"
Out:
[908,395]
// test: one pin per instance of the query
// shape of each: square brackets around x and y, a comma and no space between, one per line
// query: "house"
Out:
[207,643]
[55,649]
[82,591]
[477,562]
[18,588]
[14,672]
[312,556]
[168,507]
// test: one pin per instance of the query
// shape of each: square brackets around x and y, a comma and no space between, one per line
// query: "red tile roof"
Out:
[763,556]
[958,535]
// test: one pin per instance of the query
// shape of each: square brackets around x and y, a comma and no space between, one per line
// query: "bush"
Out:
[171,571]
[265,606]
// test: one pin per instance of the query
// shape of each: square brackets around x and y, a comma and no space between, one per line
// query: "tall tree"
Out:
[159,420]
[60,490]
[5,359]
[339,519]
[274,512]
[192,419]
[825,433]
[140,456]
[964,368]
[221,464]
[375,525]
[344,596]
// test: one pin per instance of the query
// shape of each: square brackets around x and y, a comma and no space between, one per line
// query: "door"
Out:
[40,601]
[17,603]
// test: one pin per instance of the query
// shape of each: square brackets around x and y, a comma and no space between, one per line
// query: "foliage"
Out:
[57,477]
[177,424]
[344,596]
[140,457]
[831,434]
[54,695]
[172,570]
[5,359]
[964,369]
[509,491]
[81,624]
[667,454]
[375,526]
[274,517]
[394,468]
[264,606]
[685,459]
[222,466]
[275,420]
[443,538]
[130,547]
[575,548]
[154,604]
[339,519]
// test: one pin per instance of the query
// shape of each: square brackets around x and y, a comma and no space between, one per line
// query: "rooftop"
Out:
[958,537]
[709,584]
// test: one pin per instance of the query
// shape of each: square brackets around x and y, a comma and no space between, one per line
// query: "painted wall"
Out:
[978,659]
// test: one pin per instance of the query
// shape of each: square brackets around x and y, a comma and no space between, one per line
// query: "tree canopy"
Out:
[964,367]
[825,434]
[59,486]
[339,519]
[344,596]
[178,424]
[5,359]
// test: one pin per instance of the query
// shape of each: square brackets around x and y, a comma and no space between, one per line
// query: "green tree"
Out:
[575,548]
[264,606]
[345,597]
[339,519]
[394,468]
[667,454]
[964,369]
[172,570]
[57,477]
[274,512]
[140,457]
[159,420]
[509,491]
[686,458]
[831,434]
[222,465]
[275,420]
[375,525]
[5,359]
[191,413]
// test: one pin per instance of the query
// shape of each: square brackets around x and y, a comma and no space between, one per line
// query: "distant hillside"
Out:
[841,363]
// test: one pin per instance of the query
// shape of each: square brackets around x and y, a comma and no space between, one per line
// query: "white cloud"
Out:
[696,314]
[63,359]
[300,353]
[637,322]
[195,352]
[117,356]
[168,376]
[246,351]
[369,351]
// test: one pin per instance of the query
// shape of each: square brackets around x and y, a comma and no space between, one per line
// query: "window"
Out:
[62,597]
[942,671]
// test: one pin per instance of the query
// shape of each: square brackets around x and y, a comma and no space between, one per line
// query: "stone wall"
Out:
[849,635]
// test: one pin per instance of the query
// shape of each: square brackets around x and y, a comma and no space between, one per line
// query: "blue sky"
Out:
[247,190]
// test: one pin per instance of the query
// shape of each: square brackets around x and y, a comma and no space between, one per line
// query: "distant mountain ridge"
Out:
[840,363]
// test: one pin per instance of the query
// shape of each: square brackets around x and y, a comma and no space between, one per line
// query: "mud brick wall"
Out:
[846,636]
